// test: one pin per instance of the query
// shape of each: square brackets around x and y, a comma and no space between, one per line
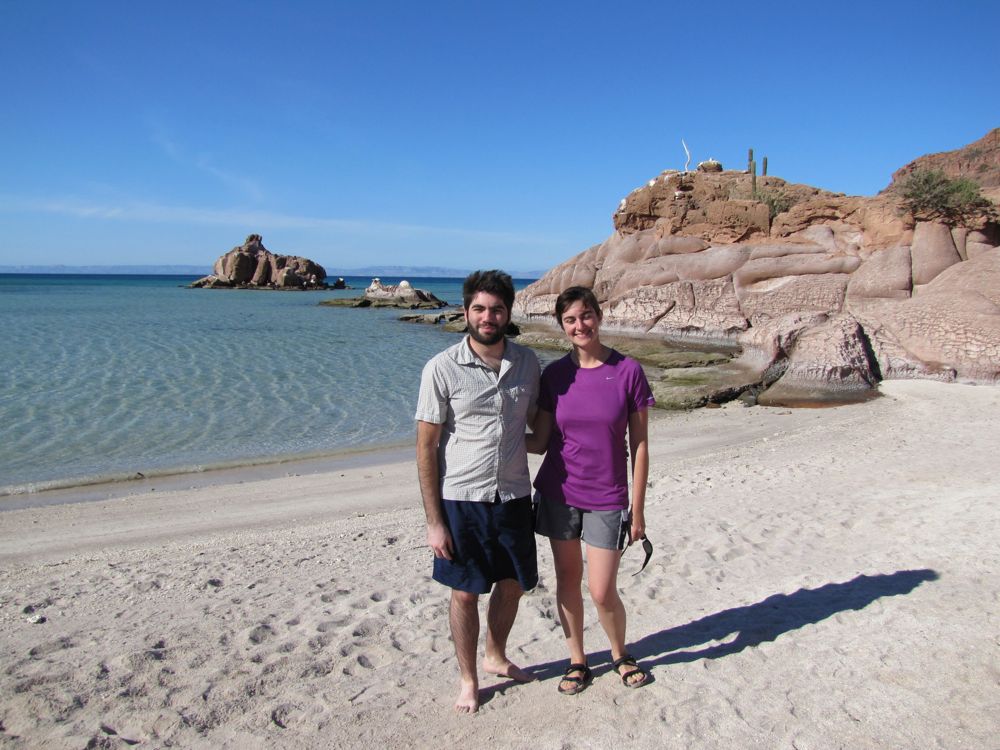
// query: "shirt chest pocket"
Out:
[516,399]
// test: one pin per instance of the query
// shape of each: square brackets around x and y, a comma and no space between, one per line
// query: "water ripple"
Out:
[114,378]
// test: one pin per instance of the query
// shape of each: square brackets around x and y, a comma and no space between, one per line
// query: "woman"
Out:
[588,401]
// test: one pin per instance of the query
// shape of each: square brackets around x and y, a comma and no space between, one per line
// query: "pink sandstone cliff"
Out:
[817,288]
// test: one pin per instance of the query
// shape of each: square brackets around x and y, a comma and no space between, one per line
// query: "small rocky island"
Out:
[402,295]
[253,266]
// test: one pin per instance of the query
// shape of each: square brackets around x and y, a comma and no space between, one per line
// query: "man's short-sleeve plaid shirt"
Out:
[483,414]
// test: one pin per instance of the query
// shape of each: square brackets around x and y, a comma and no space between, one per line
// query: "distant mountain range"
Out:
[123,270]
[423,271]
[179,270]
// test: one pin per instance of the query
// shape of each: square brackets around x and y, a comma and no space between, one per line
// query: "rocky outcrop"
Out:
[452,321]
[402,295]
[253,266]
[718,206]
[823,292]
[979,161]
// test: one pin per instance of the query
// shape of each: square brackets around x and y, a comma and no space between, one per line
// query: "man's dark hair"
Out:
[577,294]
[491,282]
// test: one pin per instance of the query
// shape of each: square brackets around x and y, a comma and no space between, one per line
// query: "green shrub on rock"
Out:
[930,194]
[777,201]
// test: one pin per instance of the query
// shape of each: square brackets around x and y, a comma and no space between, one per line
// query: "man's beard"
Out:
[495,338]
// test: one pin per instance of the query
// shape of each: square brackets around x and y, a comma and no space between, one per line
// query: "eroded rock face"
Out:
[830,291]
[949,329]
[885,275]
[251,265]
[932,251]
[831,354]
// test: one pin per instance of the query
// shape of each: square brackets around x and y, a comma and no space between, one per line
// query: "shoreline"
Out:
[72,490]
[330,488]
[69,491]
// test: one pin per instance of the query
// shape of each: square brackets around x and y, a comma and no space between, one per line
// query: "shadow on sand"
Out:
[756,623]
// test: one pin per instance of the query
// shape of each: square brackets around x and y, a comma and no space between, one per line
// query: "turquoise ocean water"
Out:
[107,376]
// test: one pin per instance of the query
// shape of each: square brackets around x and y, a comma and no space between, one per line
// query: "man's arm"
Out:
[539,421]
[428,439]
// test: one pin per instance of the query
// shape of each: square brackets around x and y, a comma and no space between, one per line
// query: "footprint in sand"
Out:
[317,668]
[52,647]
[319,643]
[144,587]
[260,634]
[328,626]
[369,627]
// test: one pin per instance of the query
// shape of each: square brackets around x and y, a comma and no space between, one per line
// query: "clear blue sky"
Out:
[459,134]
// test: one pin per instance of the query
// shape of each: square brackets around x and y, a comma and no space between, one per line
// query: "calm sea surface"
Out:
[107,376]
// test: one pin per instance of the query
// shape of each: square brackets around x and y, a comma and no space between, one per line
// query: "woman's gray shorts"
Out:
[607,529]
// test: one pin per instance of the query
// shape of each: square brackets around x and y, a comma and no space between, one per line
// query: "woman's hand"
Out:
[638,529]
[537,441]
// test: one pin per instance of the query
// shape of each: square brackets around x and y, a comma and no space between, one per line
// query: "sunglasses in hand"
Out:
[647,547]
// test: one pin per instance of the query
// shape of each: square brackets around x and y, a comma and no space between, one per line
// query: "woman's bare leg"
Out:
[602,579]
[568,554]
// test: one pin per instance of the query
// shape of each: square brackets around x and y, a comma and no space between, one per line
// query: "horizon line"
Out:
[193,269]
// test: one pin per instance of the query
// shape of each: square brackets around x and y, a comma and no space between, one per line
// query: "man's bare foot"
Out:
[468,698]
[506,668]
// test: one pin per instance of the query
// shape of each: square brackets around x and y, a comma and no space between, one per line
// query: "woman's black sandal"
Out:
[579,683]
[629,661]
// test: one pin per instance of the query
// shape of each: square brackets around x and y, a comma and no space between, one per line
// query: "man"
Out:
[475,401]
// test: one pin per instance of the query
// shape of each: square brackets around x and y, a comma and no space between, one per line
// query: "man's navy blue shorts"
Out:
[490,542]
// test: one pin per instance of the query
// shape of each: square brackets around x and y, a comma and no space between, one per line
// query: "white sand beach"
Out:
[821,579]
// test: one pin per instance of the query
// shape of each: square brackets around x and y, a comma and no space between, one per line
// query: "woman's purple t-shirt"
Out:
[586,463]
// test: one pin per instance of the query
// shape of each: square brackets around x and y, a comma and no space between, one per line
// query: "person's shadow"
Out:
[757,623]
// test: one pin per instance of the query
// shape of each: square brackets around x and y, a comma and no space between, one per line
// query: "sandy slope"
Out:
[821,579]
